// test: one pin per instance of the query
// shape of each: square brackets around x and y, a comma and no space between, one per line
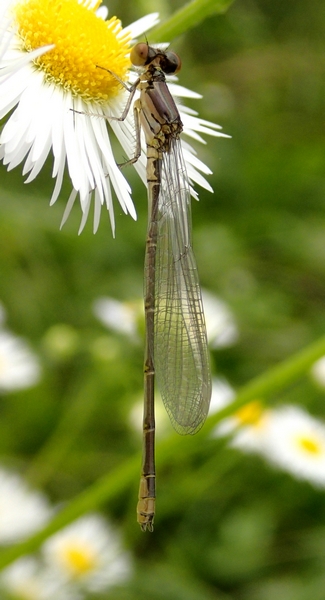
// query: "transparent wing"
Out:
[180,346]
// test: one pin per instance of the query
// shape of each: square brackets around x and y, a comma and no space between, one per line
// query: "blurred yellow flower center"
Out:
[310,445]
[79,559]
[250,414]
[83,42]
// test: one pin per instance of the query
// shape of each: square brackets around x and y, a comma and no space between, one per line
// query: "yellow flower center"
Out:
[79,559]
[309,445]
[250,414]
[83,42]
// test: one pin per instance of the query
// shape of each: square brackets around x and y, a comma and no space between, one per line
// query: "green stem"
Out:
[114,483]
[187,17]
[103,490]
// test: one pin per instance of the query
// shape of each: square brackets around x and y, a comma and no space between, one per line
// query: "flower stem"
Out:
[101,491]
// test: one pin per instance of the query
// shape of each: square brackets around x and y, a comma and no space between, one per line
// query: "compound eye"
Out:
[139,54]
[172,63]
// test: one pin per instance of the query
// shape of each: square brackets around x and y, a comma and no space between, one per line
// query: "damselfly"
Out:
[176,342]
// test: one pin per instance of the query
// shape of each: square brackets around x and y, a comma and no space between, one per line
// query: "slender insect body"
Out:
[176,342]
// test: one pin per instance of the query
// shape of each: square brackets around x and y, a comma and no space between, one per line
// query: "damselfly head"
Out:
[170,63]
[142,55]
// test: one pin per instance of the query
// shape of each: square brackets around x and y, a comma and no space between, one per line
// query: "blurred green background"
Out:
[253,533]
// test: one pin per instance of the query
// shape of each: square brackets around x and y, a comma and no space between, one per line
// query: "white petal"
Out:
[182,92]
[102,12]
[12,88]
[201,125]
[68,208]
[59,178]
[141,25]
[16,63]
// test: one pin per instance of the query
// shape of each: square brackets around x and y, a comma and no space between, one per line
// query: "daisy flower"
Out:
[26,579]
[49,54]
[122,317]
[88,554]
[126,317]
[19,367]
[22,511]
[247,427]
[221,327]
[252,426]
[295,442]
[222,394]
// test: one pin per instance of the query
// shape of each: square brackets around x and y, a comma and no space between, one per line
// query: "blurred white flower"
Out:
[221,327]
[251,432]
[222,394]
[318,371]
[26,579]
[125,317]
[122,317]
[288,437]
[295,442]
[247,427]
[88,554]
[19,366]
[22,511]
